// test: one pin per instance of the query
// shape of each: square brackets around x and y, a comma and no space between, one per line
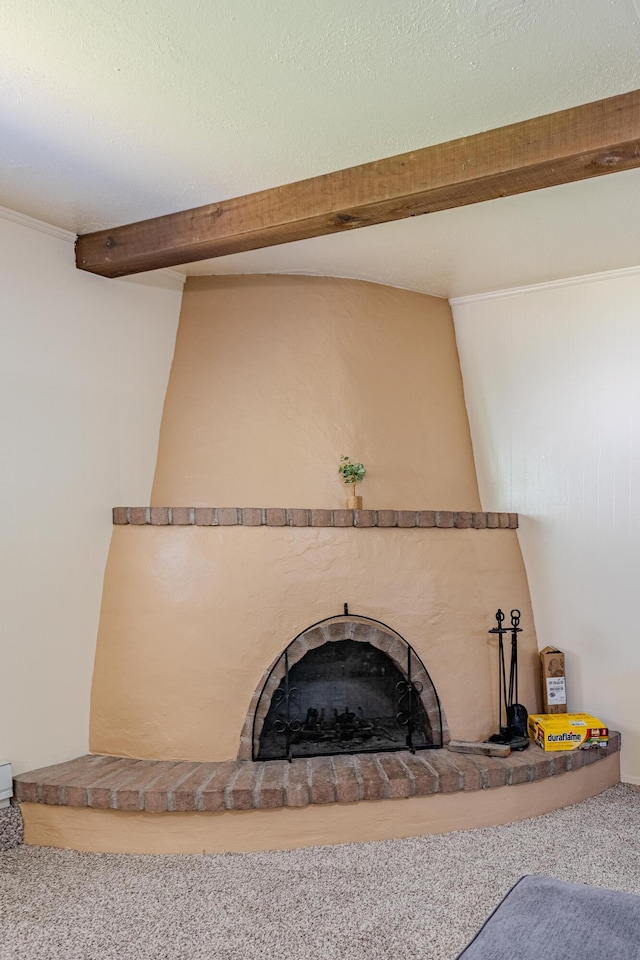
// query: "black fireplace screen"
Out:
[348,696]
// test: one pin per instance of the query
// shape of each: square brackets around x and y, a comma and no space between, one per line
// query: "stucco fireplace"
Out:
[273,379]
[204,632]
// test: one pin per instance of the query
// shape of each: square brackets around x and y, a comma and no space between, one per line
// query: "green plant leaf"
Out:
[351,472]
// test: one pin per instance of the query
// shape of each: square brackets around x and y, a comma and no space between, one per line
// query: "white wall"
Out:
[84,364]
[552,383]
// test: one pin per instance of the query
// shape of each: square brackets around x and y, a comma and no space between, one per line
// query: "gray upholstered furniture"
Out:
[545,919]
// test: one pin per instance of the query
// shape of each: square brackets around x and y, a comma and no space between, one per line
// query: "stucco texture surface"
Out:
[191,618]
[274,378]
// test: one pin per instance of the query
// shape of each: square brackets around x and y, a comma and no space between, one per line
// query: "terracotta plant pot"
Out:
[354,503]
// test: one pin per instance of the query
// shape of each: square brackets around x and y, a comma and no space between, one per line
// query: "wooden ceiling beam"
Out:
[585,141]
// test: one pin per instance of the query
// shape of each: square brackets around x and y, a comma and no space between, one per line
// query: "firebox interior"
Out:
[344,697]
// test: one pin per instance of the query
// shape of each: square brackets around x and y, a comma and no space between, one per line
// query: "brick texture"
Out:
[160,786]
[349,787]
[270,791]
[73,790]
[228,516]
[239,794]
[422,777]
[456,772]
[251,516]
[297,783]
[365,518]
[387,518]
[323,783]
[463,520]
[398,783]
[521,769]
[180,516]
[156,795]
[407,518]
[205,516]
[426,518]
[375,783]
[131,794]
[211,795]
[185,795]
[343,518]
[138,515]
[493,772]
[102,793]
[444,518]
[299,517]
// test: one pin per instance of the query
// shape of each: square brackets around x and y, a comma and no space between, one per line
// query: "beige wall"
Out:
[275,377]
[83,370]
[552,378]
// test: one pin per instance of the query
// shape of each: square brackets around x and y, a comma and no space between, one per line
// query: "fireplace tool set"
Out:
[514,730]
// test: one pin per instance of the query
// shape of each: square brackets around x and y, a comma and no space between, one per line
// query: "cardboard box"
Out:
[554,689]
[568,731]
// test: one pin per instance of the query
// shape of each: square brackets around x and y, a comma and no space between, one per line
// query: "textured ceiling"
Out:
[114,112]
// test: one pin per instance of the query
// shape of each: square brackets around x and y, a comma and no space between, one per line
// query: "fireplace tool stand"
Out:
[514,730]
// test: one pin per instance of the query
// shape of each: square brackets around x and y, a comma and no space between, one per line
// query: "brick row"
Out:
[292,517]
[160,786]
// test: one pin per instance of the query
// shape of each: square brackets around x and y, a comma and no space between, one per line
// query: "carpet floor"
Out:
[405,899]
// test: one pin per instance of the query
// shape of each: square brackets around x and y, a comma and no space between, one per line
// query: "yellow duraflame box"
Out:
[567,731]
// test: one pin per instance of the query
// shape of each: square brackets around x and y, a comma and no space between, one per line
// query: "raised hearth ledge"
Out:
[160,786]
[115,831]
[298,517]
[119,804]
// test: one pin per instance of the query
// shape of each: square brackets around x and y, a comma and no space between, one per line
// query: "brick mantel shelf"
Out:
[298,517]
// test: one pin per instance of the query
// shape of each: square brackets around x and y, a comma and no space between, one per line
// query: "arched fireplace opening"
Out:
[346,685]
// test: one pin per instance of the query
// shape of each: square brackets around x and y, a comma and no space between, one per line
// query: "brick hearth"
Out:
[160,786]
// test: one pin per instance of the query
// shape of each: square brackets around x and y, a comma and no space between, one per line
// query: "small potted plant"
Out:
[352,473]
